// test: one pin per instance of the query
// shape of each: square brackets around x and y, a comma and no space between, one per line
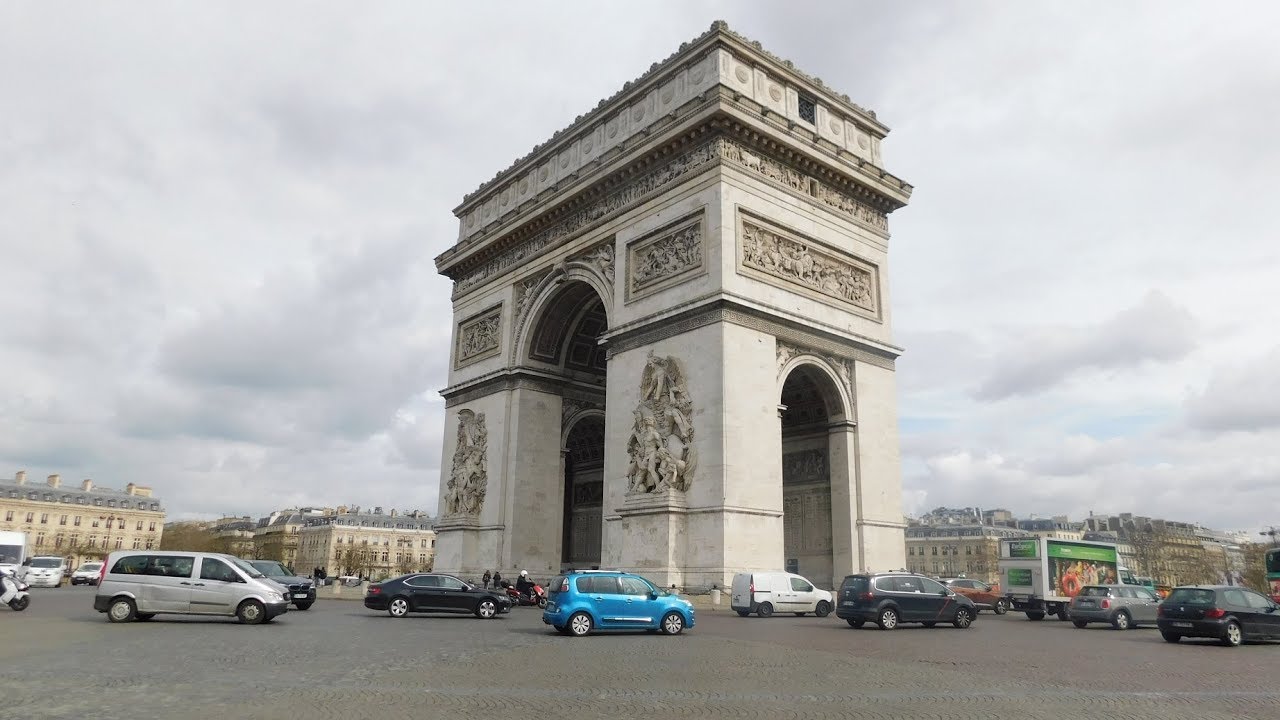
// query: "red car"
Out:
[986,597]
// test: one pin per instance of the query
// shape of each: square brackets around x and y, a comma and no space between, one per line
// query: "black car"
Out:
[889,599]
[1230,614]
[427,592]
[298,590]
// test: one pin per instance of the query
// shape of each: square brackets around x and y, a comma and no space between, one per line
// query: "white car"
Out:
[765,593]
[87,574]
[44,572]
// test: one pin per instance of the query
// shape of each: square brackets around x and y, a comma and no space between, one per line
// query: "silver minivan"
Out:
[139,584]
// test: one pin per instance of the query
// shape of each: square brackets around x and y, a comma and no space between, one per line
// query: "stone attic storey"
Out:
[672,349]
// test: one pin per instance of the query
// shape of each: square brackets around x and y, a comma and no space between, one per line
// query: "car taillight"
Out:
[1106,603]
[752,589]
[1214,613]
[1159,610]
[375,590]
[564,585]
[102,574]
[867,596]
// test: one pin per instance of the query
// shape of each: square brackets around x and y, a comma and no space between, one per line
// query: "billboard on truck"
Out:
[1074,565]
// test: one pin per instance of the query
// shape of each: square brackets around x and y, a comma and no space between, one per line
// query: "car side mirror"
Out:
[945,593]
[653,594]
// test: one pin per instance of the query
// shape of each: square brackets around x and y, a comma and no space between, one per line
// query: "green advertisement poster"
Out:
[1020,577]
[1082,552]
[1023,548]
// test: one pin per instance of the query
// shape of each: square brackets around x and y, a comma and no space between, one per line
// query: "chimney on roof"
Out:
[393,512]
[20,478]
[129,489]
[87,485]
[377,510]
[55,481]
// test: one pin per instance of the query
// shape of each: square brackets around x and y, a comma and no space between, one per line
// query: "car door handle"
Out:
[199,584]
[184,582]
[597,598]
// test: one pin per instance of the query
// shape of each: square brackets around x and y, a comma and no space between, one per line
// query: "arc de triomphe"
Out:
[672,348]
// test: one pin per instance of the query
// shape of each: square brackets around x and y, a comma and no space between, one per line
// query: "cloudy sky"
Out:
[218,220]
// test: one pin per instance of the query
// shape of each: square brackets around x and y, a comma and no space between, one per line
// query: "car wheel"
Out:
[398,607]
[823,609]
[672,623]
[122,610]
[251,612]
[1170,637]
[580,624]
[855,623]
[888,619]
[542,603]
[487,609]
[1234,635]
[929,624]
[1037,616]
[1120,621]
[303,605]
[964,618]
[1001,607]
[743,613]
[1080,623]
[765,610]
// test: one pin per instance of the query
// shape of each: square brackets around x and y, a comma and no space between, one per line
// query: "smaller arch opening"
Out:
[583,492]
[810,403]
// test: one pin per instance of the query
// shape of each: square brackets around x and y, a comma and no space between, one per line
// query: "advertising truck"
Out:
[1041,575]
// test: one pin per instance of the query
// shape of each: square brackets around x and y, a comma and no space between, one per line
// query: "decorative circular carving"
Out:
[564,161]
[543,175]
[586,146]
[506,196]
[471,220]
[742,74]
[638,113]
[864,142]
[775,92]
[667,96]
[524,186]
[697,74]
[835,127]
[611,129]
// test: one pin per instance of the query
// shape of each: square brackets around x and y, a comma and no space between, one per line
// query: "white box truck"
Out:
[13,551]
[1041,575]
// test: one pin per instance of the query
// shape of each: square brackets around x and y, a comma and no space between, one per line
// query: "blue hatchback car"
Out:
[581,602]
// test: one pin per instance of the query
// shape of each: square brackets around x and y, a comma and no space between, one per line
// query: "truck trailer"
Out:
[1041,575]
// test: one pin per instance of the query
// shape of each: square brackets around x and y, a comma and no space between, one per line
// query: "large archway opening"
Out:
[566,341]
[810,405]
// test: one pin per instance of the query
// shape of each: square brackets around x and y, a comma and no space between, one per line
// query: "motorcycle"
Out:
[535,596]
[14,592]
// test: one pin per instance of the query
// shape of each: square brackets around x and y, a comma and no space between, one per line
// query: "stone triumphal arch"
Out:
[672,348]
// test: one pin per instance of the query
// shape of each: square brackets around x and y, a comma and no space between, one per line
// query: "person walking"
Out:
[487,577]
[497,579]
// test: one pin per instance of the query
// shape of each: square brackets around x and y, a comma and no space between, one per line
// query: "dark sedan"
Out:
[1232,615]
[427,592]
[299,590]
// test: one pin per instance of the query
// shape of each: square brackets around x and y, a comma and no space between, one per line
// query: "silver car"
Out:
[1123,606]
[139,584]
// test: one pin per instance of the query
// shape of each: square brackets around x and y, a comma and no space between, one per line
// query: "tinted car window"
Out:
[449,583]
[854,585]
[1256,601]
[211,569]
[1093,591]
[1147,594]
[799,585]
[169,566]
[906,584]
[422,581]
[597,584]
[132,565]
[634,586]
[1235,597]
[1192,596]
[932,587]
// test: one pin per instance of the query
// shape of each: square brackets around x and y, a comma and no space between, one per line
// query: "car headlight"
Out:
[274,596]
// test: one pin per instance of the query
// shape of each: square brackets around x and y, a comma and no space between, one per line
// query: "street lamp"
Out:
[950,558]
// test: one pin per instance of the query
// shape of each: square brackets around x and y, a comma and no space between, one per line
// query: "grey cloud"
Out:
[1157,330]
[1239,398]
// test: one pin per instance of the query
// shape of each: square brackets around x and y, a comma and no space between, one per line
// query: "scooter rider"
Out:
[524,585]
[8,585]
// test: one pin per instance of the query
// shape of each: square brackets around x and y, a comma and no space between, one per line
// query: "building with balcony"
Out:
[369,544]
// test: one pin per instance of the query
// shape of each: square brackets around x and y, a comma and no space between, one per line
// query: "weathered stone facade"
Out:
[660,279]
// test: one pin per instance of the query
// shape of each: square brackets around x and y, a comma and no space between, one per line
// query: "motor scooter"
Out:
[535,596]
[14,592]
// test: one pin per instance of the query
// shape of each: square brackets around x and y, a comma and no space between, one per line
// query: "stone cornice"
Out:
[719,34]
[520,378]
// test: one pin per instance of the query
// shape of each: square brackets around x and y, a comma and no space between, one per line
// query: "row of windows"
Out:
[60,540]
[911,551]
[44,520]
[80,500]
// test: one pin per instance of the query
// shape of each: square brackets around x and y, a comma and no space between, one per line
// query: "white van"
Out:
[765,593]
[43,571]
[138,584]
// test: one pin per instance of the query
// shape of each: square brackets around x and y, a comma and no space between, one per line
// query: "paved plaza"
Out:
[62,660]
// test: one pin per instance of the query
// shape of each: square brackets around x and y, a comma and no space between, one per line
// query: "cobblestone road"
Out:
[60,659]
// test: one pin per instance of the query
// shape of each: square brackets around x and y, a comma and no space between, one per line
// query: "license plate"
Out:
[849,603]
[299,596]
[1181,624]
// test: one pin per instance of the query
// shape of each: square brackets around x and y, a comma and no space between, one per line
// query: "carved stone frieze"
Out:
[664,257]
[468,481]
[572,406]
[601,258]
[842,367]
[804,263]
[661,445]
[805,466]
[676,169]
[479,337]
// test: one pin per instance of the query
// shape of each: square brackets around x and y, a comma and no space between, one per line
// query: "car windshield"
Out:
[271,568]
[854,584]
[1093,591]
[90,567]
[1192,596]
[248,569]
[10,553]
[46,562]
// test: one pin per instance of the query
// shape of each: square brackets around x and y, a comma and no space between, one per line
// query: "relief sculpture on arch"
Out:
[468,483]
[661,451]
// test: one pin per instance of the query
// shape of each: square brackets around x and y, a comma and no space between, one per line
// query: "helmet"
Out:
[524,573]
